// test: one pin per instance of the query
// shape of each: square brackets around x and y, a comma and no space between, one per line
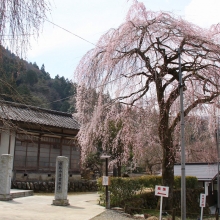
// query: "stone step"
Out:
[17,193]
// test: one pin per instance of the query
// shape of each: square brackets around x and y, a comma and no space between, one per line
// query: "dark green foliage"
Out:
[24,82]
[35,65]
[191,182]
[192,204]
[123,189]
[137,194]
[148,200]
[92,166]
[119,188]
[65,106]
[31,77]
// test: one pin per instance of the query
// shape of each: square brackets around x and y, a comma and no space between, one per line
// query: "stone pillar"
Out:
[6,161]
[61,184]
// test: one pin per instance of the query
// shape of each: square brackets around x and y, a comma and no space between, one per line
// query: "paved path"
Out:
[111,215]
[83,206]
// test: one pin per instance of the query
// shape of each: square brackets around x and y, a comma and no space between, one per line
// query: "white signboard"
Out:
[161,191]
[105,180]
[202,200]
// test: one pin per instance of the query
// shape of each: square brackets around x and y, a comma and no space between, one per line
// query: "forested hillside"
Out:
[27,83]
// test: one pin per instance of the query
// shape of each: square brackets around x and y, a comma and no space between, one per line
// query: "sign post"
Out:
[202,203]
[105,179]
[162,191]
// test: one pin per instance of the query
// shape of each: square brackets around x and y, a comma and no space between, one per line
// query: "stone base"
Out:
[61,202]
[5,197]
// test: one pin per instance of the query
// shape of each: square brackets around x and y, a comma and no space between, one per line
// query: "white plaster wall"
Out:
[12,148]
[206,188]
[4,142]
[4,145]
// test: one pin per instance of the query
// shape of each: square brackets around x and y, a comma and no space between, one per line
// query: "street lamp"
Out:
[105,156]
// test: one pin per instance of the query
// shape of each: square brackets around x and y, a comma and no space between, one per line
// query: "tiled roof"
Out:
[203,171]
[30,114]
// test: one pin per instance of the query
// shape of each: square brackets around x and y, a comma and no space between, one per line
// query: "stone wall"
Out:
[42,177]
[49,186]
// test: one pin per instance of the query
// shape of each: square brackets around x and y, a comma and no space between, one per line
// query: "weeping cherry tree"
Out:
[137,64]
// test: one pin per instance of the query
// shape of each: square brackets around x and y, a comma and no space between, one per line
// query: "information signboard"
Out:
[105,181]
[202,203]
[161,191]
[202,200]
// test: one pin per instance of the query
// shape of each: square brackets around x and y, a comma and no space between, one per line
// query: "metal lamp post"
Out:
[106,156]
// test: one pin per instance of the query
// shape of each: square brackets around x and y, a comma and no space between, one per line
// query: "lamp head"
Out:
[104,155]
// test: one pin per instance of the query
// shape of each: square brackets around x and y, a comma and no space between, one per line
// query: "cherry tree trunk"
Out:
[167,164]
[168,177]
[119,170]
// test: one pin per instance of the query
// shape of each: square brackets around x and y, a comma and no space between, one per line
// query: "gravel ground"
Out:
[111,215]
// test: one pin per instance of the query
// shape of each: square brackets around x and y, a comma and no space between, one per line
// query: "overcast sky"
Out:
[60,51]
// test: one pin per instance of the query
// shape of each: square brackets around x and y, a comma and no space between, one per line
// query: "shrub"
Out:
[148,201]
[191,182]
[122,189]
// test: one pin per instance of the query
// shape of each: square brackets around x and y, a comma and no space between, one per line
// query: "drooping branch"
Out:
[20,20]
[205,100]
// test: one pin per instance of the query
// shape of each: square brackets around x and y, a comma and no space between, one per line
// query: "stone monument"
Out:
[61,181]
[5,176]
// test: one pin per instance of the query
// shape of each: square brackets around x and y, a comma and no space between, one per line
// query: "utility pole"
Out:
[183,174]
[218,156]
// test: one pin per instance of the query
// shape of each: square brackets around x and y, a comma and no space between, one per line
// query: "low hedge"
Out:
[148,201]
[124,188]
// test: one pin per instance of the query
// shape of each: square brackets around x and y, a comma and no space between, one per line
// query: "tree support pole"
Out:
[183,174]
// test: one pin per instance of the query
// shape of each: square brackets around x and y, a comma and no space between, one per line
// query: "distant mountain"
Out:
[26,83]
